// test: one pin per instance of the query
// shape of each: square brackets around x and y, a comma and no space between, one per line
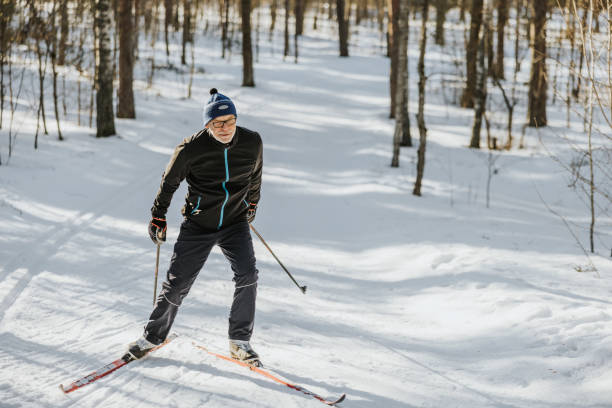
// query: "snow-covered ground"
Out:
[435,301]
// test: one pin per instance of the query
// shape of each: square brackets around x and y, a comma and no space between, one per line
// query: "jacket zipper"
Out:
[224,188]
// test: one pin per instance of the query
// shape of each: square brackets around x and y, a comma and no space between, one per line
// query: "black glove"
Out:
[251,212]
[157,230]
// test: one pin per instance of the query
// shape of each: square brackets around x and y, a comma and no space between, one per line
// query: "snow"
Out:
[433,301]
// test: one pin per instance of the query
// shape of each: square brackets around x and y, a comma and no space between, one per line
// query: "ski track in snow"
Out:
[412,302]
[26,265]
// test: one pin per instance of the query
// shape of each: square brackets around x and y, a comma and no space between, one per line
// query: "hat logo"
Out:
[223,107]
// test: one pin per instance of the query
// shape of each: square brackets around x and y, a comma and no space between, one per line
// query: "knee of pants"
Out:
[175,292]
[246,278]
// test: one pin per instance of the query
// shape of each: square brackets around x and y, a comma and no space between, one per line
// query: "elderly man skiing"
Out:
[222,165]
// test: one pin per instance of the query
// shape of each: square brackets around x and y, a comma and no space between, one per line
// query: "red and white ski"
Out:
[107,369]
[273,377]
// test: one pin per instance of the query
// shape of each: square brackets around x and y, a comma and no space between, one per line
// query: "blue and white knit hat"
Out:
[218,105]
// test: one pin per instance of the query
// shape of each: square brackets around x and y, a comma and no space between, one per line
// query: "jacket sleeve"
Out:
[255,184]
[175,173]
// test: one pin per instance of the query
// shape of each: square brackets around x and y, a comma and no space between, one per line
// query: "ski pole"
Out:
[156,269]
[302,288]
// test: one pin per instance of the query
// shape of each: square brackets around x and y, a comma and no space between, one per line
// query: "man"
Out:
[222,164]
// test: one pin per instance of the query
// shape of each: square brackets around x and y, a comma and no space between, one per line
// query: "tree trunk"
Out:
[273,10]
[6,38]
[467,98]
[257,29]
[488,32]
[441,7]
[136,31]
[148,16]
[225,27]
[405,101]
[187,38]
[105,121]
[176,21]
[52,45]
[583,27]
[502,20]
[247,49]
[299,17]
[342,28]
[296,38]
[401,96]
[392,34]
[286,50]
[167,22]
[125,94]
[64,32]
[536,107]
[481,86]
[421,115]
[41,83]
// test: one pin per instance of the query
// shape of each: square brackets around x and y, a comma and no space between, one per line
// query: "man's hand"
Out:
[251,212]
[157,230]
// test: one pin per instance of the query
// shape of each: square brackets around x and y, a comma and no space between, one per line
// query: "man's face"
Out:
[223,128]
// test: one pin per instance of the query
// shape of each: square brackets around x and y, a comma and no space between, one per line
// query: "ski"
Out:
[107,369]
[273,377]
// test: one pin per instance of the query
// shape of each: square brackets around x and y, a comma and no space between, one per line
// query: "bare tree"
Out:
[600,97]
[299,16]
[342,27]
[273,13]
[105,121]
[248,78]
[64,32]
[40,33]
[462,10]
[392,50]
[286,37]
[125,94]
[187,35]
[467,98]
[421,115]
[7,9]
[502,20]
[536,107]
[168,6]
[401,94]
[441,7]
[481,85]
[296,34]
[51,44]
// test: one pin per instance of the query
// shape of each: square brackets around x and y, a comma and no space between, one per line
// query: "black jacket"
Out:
[222,178]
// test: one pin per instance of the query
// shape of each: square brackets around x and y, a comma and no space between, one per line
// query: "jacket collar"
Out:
[229,145]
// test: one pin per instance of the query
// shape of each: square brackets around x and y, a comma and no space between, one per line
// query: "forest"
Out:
[438,173]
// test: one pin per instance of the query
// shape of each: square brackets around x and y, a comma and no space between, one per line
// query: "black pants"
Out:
[190,252]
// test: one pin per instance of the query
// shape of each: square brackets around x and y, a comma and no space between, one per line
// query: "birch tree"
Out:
[421,115]
[401,95]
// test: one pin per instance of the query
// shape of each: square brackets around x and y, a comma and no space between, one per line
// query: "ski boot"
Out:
[241,350]
[140,348]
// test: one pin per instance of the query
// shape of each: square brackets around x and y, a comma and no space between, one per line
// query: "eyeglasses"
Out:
[218,124]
